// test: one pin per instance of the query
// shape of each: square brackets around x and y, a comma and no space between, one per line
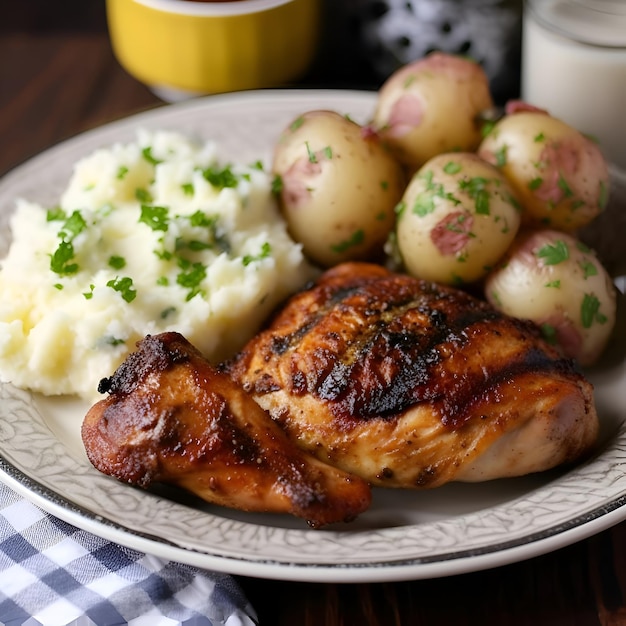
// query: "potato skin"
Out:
[432,106]
[340,186]
[552,279]
[458,216]
[560,176]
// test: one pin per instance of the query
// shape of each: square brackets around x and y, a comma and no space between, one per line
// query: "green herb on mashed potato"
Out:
[151,235]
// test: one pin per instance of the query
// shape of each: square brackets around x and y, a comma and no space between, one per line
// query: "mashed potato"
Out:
[149,236]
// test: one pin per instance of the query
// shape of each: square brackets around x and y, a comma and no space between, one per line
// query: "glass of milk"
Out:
[574,65]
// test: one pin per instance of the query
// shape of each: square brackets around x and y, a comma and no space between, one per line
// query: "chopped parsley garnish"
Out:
[357,238]
[109,340]
[457,280]
[564,187]
[156,217]
[277,184]
[588,268]
[73,225]
[296,124]
[433,190]
[549,333]
[476,188]
[482,202]
[220,178]
[452,167]
[590,311]
[192,275]
[312,156]
[487,127]
[266,250]
[122,170]
[187,189]
[513,201]
[55,215]
[496,298]
[193,244]
[148,156]
[501,156]
[604,195]
[60,260]
[124,286]
[163,255]
[553,254]
[424,204]
[165,313]
[456,226]
[117,262]
[215,238]
[553,284]
[143,195]
[201,219]
[409,80]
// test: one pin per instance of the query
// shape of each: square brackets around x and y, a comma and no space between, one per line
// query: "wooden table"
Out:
[57,79]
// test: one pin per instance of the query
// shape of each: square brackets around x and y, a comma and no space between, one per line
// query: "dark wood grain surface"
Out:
[58,77]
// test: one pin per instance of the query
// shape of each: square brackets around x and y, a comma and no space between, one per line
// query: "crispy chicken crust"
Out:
[410,384]
[170,417]
[367,378]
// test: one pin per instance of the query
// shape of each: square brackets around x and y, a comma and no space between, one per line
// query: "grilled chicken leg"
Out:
[170,417]
[410,384]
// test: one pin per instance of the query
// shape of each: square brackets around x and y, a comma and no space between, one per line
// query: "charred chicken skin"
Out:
[170,417]
[410,384]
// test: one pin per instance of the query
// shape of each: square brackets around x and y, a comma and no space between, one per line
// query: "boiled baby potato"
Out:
[551,278]
[456,219]
[338,187]
[560,176]
[432,106]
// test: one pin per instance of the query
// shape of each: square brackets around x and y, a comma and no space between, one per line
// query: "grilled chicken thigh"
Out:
[170,417]
[409,384]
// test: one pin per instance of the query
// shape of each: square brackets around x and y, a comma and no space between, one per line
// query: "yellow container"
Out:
[183,48]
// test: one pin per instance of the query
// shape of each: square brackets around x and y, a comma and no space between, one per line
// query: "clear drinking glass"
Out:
[574,65]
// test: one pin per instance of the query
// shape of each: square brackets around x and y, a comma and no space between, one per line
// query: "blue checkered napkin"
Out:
[54,574]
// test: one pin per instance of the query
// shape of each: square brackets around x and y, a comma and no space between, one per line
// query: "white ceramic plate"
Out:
[405,535]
